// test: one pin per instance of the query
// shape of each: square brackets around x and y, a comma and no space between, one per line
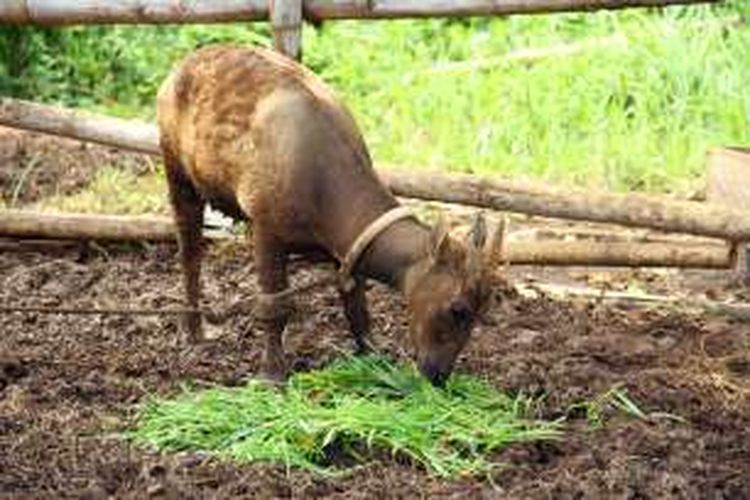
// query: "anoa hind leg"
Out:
[188,206]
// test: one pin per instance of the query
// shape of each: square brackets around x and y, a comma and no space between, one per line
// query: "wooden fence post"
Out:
[729,184]
[286,24]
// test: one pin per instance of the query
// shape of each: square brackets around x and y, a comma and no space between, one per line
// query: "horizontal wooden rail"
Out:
[66,12]
[613,254]
[50,226]
[85,227]
[635,210]
[21,224]
[126,134]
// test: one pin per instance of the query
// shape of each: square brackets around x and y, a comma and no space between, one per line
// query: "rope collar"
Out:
[365,238]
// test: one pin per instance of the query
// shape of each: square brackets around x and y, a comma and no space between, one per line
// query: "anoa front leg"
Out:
[358,316]
[272,310]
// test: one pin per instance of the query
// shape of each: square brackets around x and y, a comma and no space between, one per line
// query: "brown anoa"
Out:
[260,137]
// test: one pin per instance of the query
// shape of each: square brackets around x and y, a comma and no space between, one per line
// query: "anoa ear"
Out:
[475,241]
[493,251]
[439,238]
[478,231]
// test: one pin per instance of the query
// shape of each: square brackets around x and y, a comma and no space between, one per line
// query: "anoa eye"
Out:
[462,315]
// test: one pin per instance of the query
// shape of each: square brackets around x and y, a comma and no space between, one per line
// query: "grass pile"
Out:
[331,420]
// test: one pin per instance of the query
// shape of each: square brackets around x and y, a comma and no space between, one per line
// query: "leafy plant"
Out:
[614,399]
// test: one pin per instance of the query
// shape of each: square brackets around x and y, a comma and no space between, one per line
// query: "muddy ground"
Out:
[69,384]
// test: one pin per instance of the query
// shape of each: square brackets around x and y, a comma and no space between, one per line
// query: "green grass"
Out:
[115,191]
[636,113]
[639,113]
[330,420]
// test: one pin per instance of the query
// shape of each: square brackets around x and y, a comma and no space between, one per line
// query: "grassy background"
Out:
[635,106]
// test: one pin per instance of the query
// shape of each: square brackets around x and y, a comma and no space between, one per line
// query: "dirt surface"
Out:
[34,166]
[70,383]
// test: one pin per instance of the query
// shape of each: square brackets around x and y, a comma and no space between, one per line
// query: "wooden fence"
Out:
[286,17]
[61,12]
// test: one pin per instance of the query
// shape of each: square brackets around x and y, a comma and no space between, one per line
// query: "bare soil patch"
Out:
[35,166]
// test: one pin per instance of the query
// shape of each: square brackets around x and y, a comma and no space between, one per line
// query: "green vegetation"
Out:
[618,100]
[329,420]
[115,191]
[616,399]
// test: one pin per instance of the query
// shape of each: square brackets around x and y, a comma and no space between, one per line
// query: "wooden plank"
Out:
[608,235]
[635,210]
[390,9]
[286,25]
[67,12]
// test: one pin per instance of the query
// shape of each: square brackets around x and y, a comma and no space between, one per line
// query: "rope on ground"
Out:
[211,315]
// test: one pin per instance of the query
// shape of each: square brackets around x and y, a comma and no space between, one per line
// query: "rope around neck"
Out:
[365,238]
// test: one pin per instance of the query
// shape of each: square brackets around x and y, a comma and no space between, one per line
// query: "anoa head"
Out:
[447,292]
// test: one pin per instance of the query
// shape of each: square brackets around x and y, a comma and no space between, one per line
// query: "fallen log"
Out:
[635,210]
[127,134]
[56,226]
[632,237]
[615,254]
[19,224]
[44,226]
[66,12]
[79,226]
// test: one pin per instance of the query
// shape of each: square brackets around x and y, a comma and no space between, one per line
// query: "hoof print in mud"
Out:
[739,366]
[11,370]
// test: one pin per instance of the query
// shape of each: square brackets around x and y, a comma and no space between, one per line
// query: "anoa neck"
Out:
[396,253]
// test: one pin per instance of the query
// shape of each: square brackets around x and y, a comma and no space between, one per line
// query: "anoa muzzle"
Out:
[260,137]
